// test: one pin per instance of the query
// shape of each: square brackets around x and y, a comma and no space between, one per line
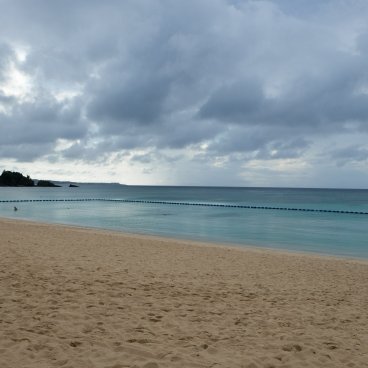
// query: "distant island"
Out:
[46,183]
[17,179]
[73,186]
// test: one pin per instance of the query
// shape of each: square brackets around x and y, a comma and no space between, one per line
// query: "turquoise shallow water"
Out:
[319,232]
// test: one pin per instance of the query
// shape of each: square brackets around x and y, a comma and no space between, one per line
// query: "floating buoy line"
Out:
[223,205]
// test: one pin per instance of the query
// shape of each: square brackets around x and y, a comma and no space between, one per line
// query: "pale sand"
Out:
[73,297]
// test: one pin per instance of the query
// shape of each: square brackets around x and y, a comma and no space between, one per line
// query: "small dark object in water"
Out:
[15,208]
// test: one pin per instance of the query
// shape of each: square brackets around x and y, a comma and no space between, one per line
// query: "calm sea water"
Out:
[327,233]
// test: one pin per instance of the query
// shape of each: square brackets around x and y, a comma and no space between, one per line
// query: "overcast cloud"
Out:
[197,92]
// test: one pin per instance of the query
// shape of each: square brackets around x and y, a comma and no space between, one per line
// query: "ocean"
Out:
[323,221]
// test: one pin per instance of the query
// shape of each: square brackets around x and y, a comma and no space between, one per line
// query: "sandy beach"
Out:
[84,298]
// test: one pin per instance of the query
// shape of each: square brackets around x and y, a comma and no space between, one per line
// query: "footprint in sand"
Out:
[292,347]
[151,365]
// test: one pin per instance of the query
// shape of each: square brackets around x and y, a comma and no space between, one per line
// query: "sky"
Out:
[195,92]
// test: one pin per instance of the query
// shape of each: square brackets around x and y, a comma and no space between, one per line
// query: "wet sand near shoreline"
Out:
[74,297]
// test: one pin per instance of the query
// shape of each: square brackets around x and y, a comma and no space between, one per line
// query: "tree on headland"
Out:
[15,179]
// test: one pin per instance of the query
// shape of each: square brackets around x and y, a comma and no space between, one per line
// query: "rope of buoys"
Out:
[224,205]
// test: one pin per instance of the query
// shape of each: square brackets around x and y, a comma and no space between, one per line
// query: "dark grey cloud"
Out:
[261,80]
[25,152]
[41,122]
[240,102]
[6,54]
[323,102]
[185,132]
[284,149]
[6,100]
[350,154]
[273,143]
[137,101]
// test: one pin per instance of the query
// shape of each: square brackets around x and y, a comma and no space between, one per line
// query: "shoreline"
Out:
[193,242]
[80,297]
